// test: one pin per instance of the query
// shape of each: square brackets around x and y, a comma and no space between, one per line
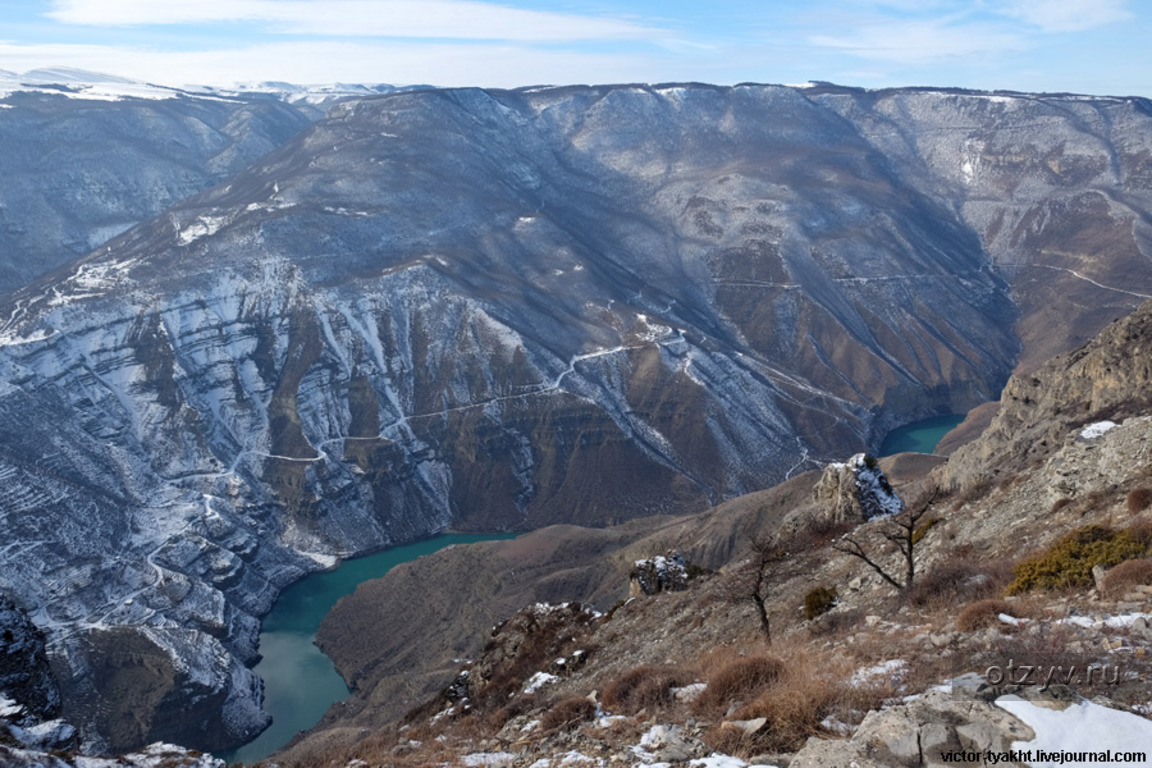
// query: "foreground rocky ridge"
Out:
[501,310]
[875,649]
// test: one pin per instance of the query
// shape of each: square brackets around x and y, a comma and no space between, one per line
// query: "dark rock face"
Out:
[500,310]
[25,676]
[662,573]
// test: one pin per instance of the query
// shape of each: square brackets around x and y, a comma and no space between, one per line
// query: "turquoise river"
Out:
[920,436]
[300,683]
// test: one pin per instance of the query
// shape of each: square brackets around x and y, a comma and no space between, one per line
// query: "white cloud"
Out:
[446,64]
[458,19]
[1068,15]
[923,41]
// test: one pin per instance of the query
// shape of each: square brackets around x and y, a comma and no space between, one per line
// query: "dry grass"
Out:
[568,713]
[1139,499]
[799,688]
[644,687]
[984,613]
[738,681]
[1120,580]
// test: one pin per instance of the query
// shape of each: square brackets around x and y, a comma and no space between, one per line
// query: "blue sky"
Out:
[1084,46]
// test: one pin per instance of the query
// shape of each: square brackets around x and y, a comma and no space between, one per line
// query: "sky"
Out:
[1097,47]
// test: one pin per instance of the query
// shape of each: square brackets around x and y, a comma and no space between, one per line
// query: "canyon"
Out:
[498,311]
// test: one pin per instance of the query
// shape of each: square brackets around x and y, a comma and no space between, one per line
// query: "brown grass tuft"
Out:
[1140,532]
[958,579]
[1120,580]
[983,613]
[810,686]
[738,681]
[645,687]
[1139,499]
[568,713]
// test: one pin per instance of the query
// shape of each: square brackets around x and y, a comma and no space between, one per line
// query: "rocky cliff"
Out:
[501,310]
[1103,382]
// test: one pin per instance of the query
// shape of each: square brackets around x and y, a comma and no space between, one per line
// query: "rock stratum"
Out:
[498,310]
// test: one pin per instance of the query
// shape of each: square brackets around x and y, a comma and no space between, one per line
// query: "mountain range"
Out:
[491,310]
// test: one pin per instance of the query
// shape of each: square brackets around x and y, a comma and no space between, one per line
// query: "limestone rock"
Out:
[918,733]
[856,490]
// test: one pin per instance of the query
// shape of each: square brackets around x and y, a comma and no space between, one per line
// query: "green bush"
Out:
[1069,562]
[922,529]
[819,601]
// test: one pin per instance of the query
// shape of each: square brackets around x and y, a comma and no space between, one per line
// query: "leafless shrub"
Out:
[958,579]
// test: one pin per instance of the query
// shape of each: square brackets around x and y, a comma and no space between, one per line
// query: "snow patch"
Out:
[203,226]
[538,681]
[488,760]
[894,670]
[1112,622]
[1081,727]
[1092,431]
[688,693]
[871,479]
[717,760]
[9,708]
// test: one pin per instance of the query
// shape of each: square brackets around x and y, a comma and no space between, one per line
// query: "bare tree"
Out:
[751,581]
[906,532]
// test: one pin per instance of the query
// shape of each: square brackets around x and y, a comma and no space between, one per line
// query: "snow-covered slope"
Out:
[88,156]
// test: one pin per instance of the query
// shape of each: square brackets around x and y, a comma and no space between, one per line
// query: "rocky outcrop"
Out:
[662,573]
[1107,379]
[919,733]
[856,491]
[25,677]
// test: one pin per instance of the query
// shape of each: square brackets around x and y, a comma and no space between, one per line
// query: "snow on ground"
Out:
[1093,431]
[9,708]
[538,681]
[488,760]
[689,693]
[1113,622]
[717,760]
[1082,727]
[894,669]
